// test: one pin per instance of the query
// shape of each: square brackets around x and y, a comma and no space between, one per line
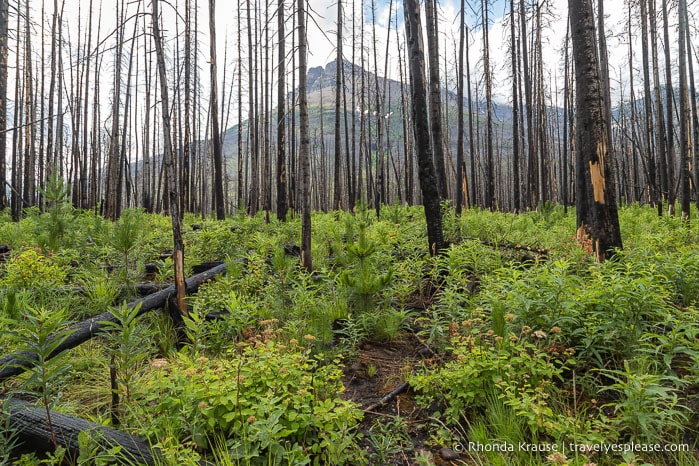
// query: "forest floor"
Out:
[378,369]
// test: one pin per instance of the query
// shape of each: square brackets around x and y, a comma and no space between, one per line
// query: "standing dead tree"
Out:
[597,216]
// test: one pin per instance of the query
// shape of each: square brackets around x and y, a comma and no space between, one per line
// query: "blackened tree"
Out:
[597,216]
[426,171]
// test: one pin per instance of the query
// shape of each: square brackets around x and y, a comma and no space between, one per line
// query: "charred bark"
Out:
[597,215]
[34,432]
[426,171]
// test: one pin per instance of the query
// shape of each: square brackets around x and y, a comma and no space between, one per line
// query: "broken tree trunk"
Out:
[30,421]
[15,364]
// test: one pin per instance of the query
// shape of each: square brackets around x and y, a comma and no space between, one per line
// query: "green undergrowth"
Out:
[536,345]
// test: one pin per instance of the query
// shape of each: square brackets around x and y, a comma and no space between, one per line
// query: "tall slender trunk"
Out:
[113,190]
[266,92]
[84,179]
[695,118]
[634,139]
[215,131]
[435,98]
[428,185]
[565,157]
[4,17]
[685,140]
[460,105]
[378,189]
[240,199]
[52,84]
[16,203]
[354,196]
[653,185]
[42,97]
[670,124]
[282,205]
[407,146]
[531,188]
[361,194]
[29,191]
[124,171]
[169,162]
[252,117]
[659,127]
[304,152]
[514,57]
[471,143]
[339,81]
[95,164]
[58,150]
[489,164]
[186,149]
[293,163]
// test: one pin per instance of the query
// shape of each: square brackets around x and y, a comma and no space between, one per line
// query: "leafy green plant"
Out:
[270,400]
[39,337]
[53,458]
[388,438]
[127,350]
[165,273]
[387,324]
[30,270]
[499,424]
[196,329]
[648,405]
[12,302]
[8,434]
[513,368]
[283,267]
[91,453]
[100,291]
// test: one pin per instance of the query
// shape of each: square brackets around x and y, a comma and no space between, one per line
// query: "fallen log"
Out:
[205,266]
[515,247]
[394,393]
[29,421]
[141,289]
[17,363]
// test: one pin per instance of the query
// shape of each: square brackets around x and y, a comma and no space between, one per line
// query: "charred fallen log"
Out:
[205,266]
[402,388]
[15,364]
[29,421]
[516,247]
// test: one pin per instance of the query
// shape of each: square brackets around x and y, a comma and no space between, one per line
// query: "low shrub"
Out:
[271,401]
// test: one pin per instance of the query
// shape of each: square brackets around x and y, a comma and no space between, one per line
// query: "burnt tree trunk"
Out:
[304,153]
[30,421]
[282,204]
[169,163]
[418,89]
[597,215]
[435,99]
[4,8]
[215,132]
[685,139]
[460,102]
